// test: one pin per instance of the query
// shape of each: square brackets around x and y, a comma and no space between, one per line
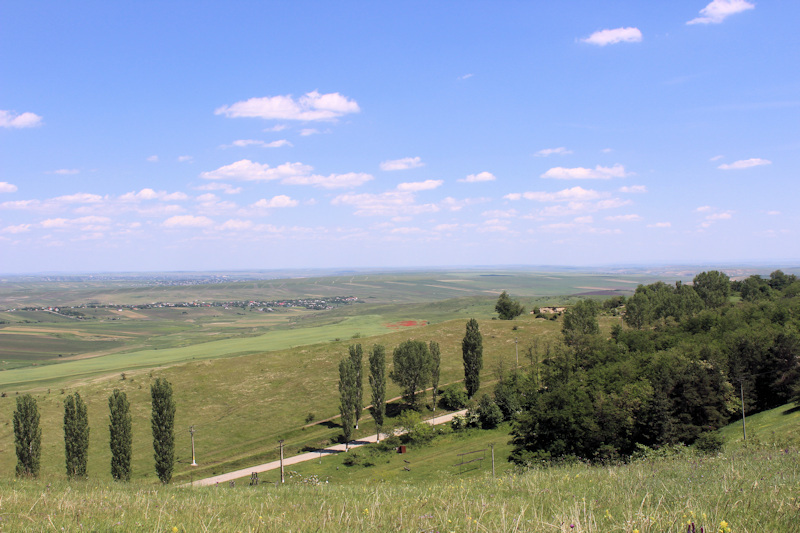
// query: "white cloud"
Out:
[565,195]
[476,178]
[7,187]
[727,215]
[65,171]
[584,220]
[453,204]
[305,132]
[745,163]
[334,181]
[402,164]
[633,189]
[9,119]
[716,158]
[79,198]
[445,227]
[21,204]
[236,225]
[311,106]
[719,10]
[242,143]
[247,170]
[552,151]
[618,35]
[624,218]
[153,159]
[465,77]
[660,225]
[773,213]
[580,173]
[500,213]
[150,194]
[406,230]
[188,221]
[19,228]
[415,186]
[185,159]
[391,203]
[217,186]
[51,223]
[275,128]
[276,201]
[703,209]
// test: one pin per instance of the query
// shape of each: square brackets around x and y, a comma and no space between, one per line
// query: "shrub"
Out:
[489,413]
[454,397]
[709,442]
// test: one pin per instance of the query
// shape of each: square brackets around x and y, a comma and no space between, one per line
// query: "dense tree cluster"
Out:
[674,374]
[508,309]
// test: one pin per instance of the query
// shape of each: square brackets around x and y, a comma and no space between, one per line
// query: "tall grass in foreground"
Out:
[750,490]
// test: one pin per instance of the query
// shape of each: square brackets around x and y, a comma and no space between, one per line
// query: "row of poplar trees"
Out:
[416,365]
[28,434]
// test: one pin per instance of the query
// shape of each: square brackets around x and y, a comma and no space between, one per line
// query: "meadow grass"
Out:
[749,490]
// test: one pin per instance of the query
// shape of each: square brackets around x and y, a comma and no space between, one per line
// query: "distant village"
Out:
[252,305]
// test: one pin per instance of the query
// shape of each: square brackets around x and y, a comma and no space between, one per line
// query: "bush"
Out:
[709,442]
[489,414]
[454,397]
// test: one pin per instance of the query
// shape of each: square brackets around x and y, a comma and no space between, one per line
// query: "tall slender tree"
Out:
[357,356]
[163,424]
[121,438]
[472,351]
[27,436]
[436,360]
[347,397]
[76,436]
[412,369]
[377,382]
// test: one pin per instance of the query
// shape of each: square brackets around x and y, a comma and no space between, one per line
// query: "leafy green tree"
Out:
[119,428]
[347,397]
[412,369]
[713,287]
[436,361]
[454,397]
[507,308]
[27,436]
[472,352]
[163,425]
[357,356]
[489,414]
[580,326]
[76,436]
[377,382]
[638,311]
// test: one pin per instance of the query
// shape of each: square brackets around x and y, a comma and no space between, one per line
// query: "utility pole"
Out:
[492,446]
[191,433]
[281,443]
[516,349]
[744,429]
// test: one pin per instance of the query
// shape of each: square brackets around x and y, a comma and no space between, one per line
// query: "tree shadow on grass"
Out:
[791,410]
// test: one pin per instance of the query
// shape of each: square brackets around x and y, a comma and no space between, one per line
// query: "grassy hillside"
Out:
[241,406]
[747,491]
[776,427]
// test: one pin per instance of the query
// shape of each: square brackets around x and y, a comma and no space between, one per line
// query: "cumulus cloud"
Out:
[391,203]
[305,132]
[236,225]
[415,186]
[188,221]
[719,10]
[618,35]
[445,227]
[150,194]
[243,143]
[309,107]
[333,181]
[19,228]
[402,164]
[552,151]
[276,201]
[624,218]
[633,189]
[153,159]
[453,204]
[580,173]
[10,119]
[185,159]
[217,186]
[247,170]
[7,187]
[500,213]
[79,198]
[660,225]
[745,163]
[476,178]
[565,195]
[65,171]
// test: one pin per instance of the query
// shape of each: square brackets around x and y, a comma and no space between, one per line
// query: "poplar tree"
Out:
[436,360]
[76,436]
[472,351]
[163,423]
[347,397]
[121,438]
[357,356]
[27,436]
[377,382]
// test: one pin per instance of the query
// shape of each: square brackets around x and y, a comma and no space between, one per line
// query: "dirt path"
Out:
[303,457]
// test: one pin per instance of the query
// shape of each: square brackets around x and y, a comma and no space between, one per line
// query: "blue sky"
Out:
[248,135]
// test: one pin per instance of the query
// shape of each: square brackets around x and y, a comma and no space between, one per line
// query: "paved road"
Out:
[309,456]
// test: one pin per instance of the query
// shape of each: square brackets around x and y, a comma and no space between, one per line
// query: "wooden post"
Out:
[744,429]
[492,446]
[281,443]
[516,349]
